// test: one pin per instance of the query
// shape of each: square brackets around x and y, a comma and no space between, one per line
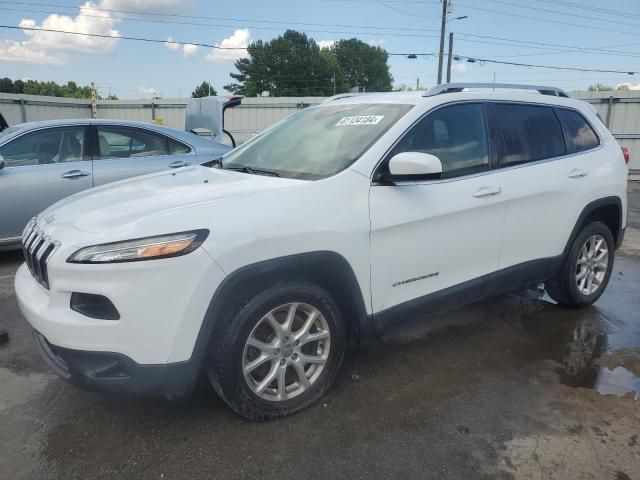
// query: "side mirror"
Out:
[1,162]
[413,166]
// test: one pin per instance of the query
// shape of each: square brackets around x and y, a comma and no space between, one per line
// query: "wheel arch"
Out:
[607,210]
[327,269]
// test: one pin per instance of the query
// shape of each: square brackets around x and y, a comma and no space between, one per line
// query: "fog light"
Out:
[94,306]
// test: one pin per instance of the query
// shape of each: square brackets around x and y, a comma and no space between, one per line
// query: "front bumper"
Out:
[161,306]
[116,373]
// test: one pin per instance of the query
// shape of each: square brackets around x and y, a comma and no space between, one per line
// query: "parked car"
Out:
[338,222]
[43,162]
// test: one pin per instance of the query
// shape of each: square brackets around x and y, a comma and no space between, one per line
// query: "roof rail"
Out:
[458,87]
[344,95]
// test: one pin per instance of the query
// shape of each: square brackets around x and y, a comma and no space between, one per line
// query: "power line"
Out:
[139,39]
[472,59]
[575,15]
[176,15]
[591,8]
[548,20]
[227,26]
[551,67]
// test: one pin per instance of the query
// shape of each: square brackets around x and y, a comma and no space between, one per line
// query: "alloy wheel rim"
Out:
[286,352]
[592,264]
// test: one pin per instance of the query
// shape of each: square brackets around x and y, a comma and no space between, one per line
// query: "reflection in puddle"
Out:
[618,381]
[587,344]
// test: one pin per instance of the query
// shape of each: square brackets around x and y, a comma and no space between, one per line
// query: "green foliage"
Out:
[600,87]
[294,65]
[363,65]
[52,89]
[203,90]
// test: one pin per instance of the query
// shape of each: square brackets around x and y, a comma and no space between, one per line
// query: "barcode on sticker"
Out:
[360,120]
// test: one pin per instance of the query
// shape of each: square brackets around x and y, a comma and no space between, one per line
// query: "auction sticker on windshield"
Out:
[359,120]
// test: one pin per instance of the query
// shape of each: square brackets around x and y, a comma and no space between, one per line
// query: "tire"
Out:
[232,353]
[564,287]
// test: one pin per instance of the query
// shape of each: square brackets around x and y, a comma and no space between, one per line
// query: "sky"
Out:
[588,34]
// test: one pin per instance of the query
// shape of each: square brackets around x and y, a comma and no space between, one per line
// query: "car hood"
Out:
[116,205]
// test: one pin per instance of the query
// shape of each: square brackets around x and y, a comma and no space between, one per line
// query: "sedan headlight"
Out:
[148,248]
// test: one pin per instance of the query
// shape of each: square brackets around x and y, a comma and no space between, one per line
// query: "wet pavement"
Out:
[513,387]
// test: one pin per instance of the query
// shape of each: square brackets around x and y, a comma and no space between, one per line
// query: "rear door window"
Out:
[125,142]
[580,135]
[527,132]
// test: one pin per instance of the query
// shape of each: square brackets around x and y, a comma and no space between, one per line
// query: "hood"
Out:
[123,203]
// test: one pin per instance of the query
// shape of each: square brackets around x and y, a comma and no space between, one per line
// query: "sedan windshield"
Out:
[317,142]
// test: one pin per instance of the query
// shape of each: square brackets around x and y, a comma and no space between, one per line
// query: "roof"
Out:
[476,92]
[187,137]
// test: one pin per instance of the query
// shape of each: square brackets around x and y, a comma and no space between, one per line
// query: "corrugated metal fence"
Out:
[619,109]
[243,121]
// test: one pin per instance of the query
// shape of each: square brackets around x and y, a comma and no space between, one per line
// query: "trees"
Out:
[203,90]
[289,65]
[363,65]
[294,65]
[52,89]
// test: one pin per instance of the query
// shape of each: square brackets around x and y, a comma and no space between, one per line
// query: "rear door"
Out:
[41,167]
[545,177]
[124,152]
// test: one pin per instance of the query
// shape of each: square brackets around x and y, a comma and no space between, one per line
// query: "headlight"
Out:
[148,248]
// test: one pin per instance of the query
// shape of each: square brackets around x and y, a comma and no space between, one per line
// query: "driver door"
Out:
[41,167]
[428,236]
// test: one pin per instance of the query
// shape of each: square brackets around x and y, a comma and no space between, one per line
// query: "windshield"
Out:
[317,142]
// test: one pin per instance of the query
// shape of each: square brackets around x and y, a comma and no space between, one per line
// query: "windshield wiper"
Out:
[254,171]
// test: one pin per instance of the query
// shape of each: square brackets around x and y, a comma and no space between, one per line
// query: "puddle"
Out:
[618,381]
[586,365]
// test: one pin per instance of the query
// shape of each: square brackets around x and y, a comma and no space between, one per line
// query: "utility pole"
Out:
[445,4]
[449,57]
[417,84]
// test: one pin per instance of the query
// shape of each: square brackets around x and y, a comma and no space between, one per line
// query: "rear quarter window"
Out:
[580,135]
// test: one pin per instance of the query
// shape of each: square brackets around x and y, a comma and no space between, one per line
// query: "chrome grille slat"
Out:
[37,249]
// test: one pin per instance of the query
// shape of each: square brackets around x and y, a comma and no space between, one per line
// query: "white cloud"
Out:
[12,51]
[146,5]
[630,86]
[100,23]
[189,49]
[326,43]
[171,45]
[240,39]
[376,42]
[149,91]
[459,67]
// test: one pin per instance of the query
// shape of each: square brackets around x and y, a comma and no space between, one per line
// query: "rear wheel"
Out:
[280,352]
[587,268]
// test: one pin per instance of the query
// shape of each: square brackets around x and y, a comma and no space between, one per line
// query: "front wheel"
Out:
[587,268]
[280,352]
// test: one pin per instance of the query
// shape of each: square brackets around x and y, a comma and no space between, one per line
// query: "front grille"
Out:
[37,249]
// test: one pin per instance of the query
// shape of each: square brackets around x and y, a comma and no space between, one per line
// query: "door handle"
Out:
[75,174]
[179,163]
[487,192]
[575,173]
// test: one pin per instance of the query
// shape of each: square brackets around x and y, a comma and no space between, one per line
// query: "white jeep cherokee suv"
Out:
[336,223]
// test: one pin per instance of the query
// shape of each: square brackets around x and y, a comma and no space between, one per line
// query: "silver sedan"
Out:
[43,162]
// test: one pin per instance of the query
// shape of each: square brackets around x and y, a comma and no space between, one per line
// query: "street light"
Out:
[443,27]
[451,47]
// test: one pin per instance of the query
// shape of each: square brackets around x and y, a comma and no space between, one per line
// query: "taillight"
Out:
[625,153]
